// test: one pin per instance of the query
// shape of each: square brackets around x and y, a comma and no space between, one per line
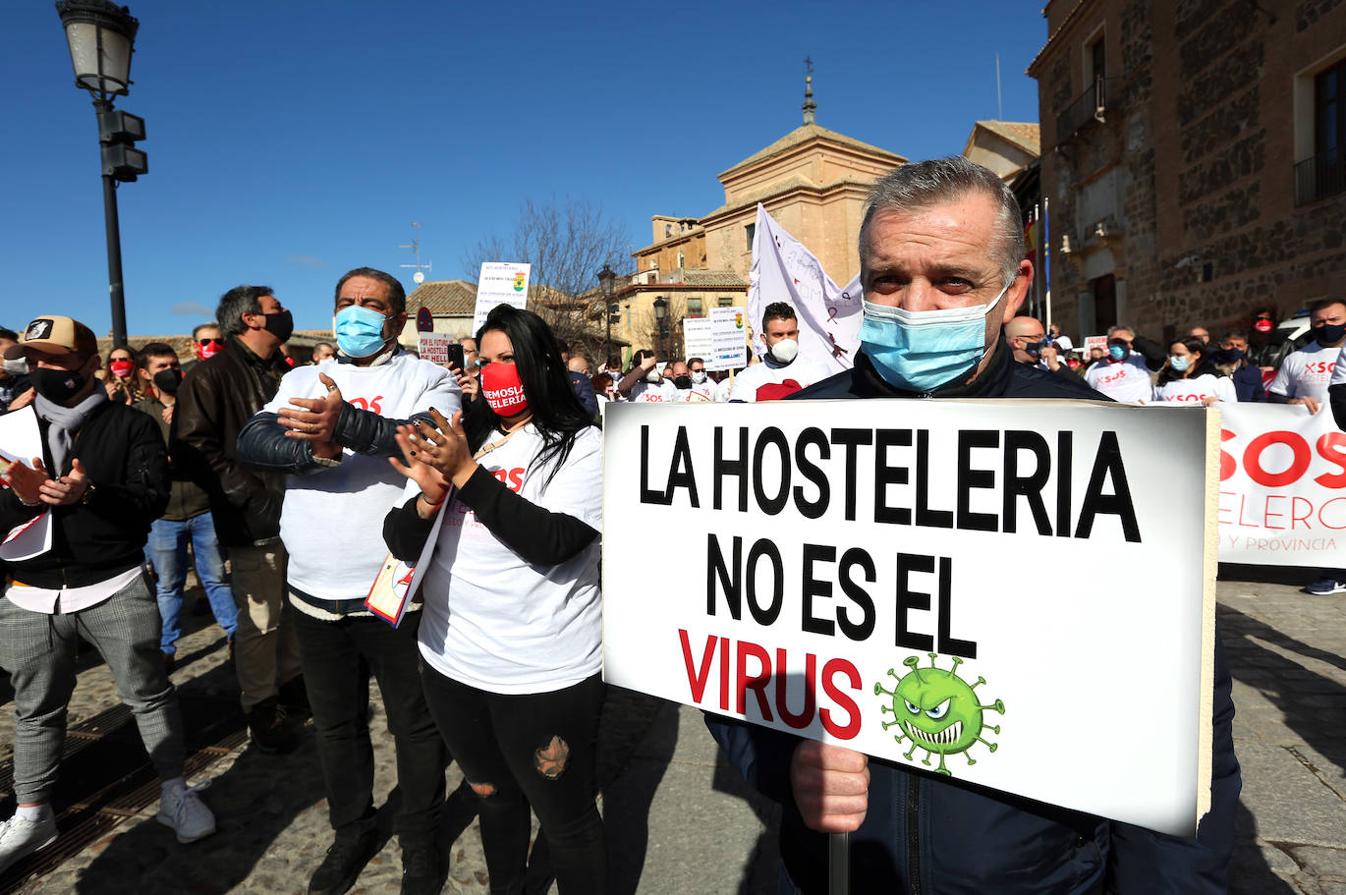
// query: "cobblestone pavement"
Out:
[679,820]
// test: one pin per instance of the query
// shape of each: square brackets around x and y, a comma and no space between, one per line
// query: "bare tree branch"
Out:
[566,243]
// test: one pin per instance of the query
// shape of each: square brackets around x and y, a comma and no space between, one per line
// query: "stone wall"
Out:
[1202,133]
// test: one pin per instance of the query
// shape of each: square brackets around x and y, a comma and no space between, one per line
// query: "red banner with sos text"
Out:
[1282,486]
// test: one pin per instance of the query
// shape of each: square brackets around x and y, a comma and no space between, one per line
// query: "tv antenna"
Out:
[415,247]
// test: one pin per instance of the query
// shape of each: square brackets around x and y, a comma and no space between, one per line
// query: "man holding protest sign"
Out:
[940,250]
[331,428]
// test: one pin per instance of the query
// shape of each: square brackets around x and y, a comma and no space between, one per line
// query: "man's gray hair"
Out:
[235,303]
[1116,328]
[196,330]
[922,184]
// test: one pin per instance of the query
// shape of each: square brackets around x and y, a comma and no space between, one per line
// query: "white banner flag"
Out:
[1282,486]
[783,270]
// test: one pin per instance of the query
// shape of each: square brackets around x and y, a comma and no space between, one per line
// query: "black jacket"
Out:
[214,402]
[122,452]
[940,836]
[262,444]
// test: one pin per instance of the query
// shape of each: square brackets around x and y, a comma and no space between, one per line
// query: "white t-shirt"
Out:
[1125,382]
[661,392]
[332,520]
[723,388]
[1339,370]
[1306,373]
[752,378]
[491,620]
[701,392]
[1196,389]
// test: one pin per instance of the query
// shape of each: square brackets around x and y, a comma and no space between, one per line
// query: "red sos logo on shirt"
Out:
[511,478]
[1321,367]
[363,404]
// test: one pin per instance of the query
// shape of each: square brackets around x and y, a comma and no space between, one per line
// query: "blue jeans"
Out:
[167,549]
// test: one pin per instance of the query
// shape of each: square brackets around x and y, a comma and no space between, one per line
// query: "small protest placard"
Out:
[434,347]
[500,282]
[890,576]
[729,339]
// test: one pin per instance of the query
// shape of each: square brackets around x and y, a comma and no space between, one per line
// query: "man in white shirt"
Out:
[332,428]
[1119,376]
[781,372]
[702,389]
[1304,378]
[100,481]
[644,384]
[1304,375]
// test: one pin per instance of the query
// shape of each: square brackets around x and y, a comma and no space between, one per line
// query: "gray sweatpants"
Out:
[38,651]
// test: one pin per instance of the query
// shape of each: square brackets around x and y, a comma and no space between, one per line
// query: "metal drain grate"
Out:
[101,787]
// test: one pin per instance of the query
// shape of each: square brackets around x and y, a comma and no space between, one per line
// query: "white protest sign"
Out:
[845,542]
[696,338]
[500,282]
[434,347]
[1282,486]
[729,339]
[1092,342]
[21,442]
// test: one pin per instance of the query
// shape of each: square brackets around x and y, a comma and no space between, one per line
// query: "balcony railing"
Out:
[1089,107]
[1319,177]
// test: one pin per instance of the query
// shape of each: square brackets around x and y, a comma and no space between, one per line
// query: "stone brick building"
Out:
[1192,158]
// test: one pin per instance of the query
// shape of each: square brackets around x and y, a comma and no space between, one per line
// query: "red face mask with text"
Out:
[209,349]
[121,368]
[503,390]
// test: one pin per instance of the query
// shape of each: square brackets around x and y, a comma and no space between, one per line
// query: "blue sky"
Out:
[290,141]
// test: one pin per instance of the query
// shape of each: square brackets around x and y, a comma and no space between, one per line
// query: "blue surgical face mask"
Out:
[1179,362]
[922,350]
[1116,352]
[359,331]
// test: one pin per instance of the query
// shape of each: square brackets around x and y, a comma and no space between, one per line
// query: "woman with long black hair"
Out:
[511,629]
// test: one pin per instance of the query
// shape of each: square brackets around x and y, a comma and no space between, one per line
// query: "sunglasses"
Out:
[204,342]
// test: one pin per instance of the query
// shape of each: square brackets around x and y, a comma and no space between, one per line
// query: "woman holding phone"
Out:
[511,630]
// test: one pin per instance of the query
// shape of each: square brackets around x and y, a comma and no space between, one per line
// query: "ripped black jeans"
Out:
[536,750]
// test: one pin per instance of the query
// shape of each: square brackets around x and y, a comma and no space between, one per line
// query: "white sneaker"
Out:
[20,837]
[186,814]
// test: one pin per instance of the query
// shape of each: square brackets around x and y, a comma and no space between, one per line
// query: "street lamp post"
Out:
[661,319]
[102,37]
[607,282]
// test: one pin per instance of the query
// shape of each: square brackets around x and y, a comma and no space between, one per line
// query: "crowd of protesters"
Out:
[494,473]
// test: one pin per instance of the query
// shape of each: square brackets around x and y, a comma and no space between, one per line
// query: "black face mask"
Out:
[280,325]
[1328,333]
[682,381]
[57,386]
[167,381]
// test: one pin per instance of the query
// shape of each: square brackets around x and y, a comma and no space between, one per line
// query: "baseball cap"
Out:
[54,334]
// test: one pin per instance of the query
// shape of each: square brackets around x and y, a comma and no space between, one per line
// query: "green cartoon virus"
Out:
[937,711]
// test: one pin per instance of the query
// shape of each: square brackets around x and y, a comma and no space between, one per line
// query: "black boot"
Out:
[271,731]
[348,855]
[425,869]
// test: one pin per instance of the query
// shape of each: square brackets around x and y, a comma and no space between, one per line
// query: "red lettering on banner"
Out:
[1296,518]
[841,720]
[1324,508]
[842,699]
[800,719]
[698,679]
[756,682]
[1228,465]
[1332,448]
[1252,458]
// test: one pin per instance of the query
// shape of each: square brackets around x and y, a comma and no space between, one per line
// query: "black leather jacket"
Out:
[104,534]
[262,443]
[216,399]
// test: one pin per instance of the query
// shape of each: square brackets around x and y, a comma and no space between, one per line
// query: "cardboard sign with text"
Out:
[500,282]
[1282,486]
[729,339]
[890,576]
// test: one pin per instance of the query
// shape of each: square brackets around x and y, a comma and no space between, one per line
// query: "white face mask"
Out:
[17,367]
[698,376]
[653,376]
[785,350]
